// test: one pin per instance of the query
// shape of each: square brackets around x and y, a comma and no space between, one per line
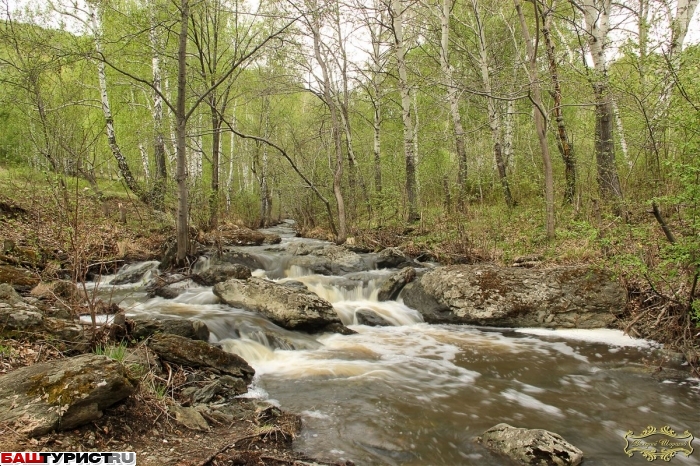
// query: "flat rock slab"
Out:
[193,329]
[62,394]
[289,307]
[18,278]
[568,297]
[531,446]
[194,353]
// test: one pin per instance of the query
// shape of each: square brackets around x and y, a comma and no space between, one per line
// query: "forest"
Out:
[478,129]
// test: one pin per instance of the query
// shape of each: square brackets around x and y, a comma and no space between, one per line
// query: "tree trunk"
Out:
[597,19]
[335,131]
[453,102]
[181,137]
[405,92]
[124,169]
[161,178]
[566,148]
[492,107]
[215,155]
[608,181]
[540,121]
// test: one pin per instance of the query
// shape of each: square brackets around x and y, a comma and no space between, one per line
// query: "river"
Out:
[418,394]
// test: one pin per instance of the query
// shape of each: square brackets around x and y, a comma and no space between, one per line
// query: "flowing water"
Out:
[418,394]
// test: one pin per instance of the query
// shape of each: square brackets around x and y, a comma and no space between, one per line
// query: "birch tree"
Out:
[397,11]
[494,118]
[452,97]
[596,27]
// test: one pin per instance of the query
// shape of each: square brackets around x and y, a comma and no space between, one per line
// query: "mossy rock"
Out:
[62,394]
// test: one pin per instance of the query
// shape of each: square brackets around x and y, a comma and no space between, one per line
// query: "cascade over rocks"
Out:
[194,353]
[61,394]
[133,273]
[292,308]
[569,297]
[531,446]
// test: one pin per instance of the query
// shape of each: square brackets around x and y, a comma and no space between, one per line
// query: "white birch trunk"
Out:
[405,92]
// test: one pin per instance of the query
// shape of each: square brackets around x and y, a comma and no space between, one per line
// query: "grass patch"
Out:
[116,352]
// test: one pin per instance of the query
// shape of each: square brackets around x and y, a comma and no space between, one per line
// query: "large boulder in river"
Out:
[61,394]
[531,446]
[292,308]
[194,353]
[570,297]
[218,273]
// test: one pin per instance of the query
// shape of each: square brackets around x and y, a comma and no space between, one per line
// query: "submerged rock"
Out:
[392,286]
[569,297]
[371,318]
[61,394]
[289,307]
[531,446]
[194,353]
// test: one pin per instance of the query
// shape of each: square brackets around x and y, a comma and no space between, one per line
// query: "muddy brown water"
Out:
[419,394]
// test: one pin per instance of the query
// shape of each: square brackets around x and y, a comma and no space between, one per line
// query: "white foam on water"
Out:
[526,401]
[607,336]
[315,415]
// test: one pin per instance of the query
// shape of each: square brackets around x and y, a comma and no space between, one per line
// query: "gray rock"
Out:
[569,297]
[251,261]
[272,238]
[189,417]
[531,446]
[8,294]
[167,292]
[133,273]
[225,387]
[326,260]
[20,318]
[194,353]
[390,258]
[220,273]
[61,394]
[392,286]
[193,329]
[371,318]
[290,308]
